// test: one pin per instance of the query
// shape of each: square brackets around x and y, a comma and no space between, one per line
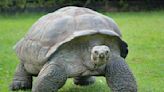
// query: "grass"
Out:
[143,31]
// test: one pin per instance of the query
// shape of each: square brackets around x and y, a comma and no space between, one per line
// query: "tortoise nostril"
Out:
[101,55]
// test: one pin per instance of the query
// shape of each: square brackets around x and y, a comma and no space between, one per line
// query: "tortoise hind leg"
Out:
[84,81]
[22,79]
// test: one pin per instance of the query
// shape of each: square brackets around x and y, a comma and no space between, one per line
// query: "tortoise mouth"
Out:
[100,62]
[97,65]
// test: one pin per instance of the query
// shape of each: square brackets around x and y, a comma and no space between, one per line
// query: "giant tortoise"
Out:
[72,42]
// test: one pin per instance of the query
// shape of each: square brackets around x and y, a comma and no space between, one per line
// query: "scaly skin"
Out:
[51,78]
[119,77]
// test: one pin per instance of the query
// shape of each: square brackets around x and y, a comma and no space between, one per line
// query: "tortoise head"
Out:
[100,55]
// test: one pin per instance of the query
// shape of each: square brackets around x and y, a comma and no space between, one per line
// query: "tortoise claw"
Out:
[20,85]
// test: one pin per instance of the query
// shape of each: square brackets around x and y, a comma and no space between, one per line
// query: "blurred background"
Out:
[13,6]
[140,21]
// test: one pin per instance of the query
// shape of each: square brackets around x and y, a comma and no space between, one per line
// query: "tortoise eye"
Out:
[106,52]
[96,52]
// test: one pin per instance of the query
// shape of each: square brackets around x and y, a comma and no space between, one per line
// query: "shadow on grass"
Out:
[99,86]
[95,88]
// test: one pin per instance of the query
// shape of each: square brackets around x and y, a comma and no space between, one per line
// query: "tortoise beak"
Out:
[101,56]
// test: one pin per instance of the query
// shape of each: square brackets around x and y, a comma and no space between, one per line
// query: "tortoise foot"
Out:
[20,85]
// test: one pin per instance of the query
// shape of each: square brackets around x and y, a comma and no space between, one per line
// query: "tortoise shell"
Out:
[54,29]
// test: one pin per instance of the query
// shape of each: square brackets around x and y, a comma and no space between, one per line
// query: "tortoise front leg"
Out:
[51,78]
[119,77]
[22,79]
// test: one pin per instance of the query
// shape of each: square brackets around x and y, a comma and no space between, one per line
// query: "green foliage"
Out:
[143,32]
[12,3]
[5,3]
[40,2]
[123,4]
[21,3]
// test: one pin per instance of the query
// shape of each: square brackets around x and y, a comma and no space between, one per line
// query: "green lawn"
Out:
[143,31]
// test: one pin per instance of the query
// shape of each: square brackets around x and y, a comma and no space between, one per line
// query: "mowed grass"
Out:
[143,31]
